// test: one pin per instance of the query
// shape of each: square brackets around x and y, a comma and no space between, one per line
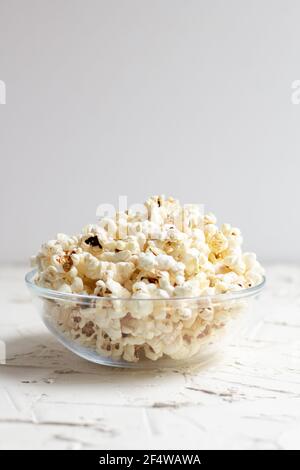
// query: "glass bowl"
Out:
[144,333]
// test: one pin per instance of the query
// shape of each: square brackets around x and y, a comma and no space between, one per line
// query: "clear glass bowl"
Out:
[144,333]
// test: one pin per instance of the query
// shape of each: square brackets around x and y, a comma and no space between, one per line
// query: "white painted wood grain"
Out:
[50,398]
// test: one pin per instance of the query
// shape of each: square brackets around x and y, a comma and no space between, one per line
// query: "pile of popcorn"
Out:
[150,275]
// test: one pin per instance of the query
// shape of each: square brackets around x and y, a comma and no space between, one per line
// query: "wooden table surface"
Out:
[250,399]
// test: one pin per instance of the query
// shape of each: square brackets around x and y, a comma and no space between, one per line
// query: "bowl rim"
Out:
[84,298]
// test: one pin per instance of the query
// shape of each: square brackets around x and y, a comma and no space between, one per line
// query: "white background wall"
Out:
[186,97]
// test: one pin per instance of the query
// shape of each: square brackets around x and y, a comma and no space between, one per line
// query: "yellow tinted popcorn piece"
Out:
[164,251]
[210,218]
[218,243]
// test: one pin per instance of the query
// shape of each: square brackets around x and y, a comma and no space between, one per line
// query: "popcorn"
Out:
[147,261]
[218,243]
[151,277]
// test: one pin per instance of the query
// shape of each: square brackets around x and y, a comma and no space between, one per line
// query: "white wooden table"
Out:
[51,399]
